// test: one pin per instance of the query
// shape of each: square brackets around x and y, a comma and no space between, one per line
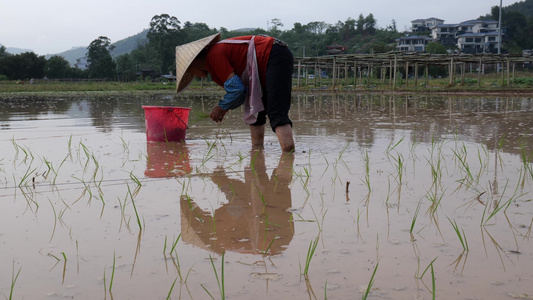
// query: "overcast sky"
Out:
[54,26]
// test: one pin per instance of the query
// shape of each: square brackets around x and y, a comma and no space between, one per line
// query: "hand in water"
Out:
[217,114]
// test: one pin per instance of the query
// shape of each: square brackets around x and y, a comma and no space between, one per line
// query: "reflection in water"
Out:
[167,159]
[256,218]
[364,117]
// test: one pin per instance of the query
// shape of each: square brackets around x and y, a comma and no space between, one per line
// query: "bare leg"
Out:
[258,136]
[285,138]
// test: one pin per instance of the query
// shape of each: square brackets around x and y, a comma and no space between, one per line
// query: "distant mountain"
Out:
[121,47]
[13,50]
[129,44]
[70,55]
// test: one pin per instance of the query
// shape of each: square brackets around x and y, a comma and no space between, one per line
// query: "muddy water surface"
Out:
[418,195]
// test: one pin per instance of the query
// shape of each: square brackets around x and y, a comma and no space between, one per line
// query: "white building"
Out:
[420,25]
[473,36]
[413,43]
[478,42]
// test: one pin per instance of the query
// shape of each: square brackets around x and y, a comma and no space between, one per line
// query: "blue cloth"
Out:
[235,93]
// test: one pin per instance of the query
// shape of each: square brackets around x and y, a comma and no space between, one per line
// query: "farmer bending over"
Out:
[254,70]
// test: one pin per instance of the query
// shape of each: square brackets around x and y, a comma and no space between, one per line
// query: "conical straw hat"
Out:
[185,54]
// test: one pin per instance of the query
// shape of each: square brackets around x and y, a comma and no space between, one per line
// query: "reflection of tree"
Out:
[30,107]
[102,112]
[426,117]
[255,219]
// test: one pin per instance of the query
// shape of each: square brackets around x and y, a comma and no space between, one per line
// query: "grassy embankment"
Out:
[521,82]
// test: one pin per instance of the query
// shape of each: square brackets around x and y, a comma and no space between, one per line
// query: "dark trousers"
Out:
[278,90]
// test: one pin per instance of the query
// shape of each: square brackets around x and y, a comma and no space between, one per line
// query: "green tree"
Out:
[274,29]
[164,35]
[126,68]
[196,31]
[370,24]
[392,27]
[348,30]
[3,51]
[361,23]
[101,64]
[435,48]
[22,66]
[56,67]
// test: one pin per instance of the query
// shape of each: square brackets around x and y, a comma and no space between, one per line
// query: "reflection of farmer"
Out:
[254,70]
[255,219]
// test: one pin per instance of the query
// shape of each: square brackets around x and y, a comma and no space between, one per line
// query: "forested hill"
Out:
[523,7]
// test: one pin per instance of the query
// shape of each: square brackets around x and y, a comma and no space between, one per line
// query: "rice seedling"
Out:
[208,156]
[461,157]
[483,163]
[173,244]
[86,190]
[17,150]
[371,282]
[413,221]
[64,266]
[269,245]
[462,237]
[400,168]
[137,182]
[319,223]
[498,205]
[14,278]
[433,285]
[433,281]
[340,159]
[435,198]
[326,290]
[134,207]
[171,288]
[77,257]
[123,214]
[87,155]
[55,219]
[310,253]
[458,260]
[366,181]
[412,149]
[391,147]
[220,280]
[69,145]
[436,171]
[112,274]
[27,175]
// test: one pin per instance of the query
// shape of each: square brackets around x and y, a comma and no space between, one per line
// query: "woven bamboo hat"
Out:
[185,54]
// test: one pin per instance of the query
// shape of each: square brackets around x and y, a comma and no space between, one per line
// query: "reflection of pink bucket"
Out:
[167,159]
[165,123]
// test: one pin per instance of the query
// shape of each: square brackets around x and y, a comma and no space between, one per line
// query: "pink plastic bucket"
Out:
[165,123]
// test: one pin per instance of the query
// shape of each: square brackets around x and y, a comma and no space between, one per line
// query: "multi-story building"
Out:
[421,25]
[472,36]
[445,34]
[413,43]
[478,42]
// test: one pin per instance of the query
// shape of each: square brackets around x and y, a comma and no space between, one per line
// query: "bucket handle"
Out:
[171,110]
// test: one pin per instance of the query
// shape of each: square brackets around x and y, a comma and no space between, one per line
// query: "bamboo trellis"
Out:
[390,64]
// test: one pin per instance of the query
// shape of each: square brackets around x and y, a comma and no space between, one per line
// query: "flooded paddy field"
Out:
[385,197]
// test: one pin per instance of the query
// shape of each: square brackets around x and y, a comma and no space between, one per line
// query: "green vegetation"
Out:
[153,53]
[517,18]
